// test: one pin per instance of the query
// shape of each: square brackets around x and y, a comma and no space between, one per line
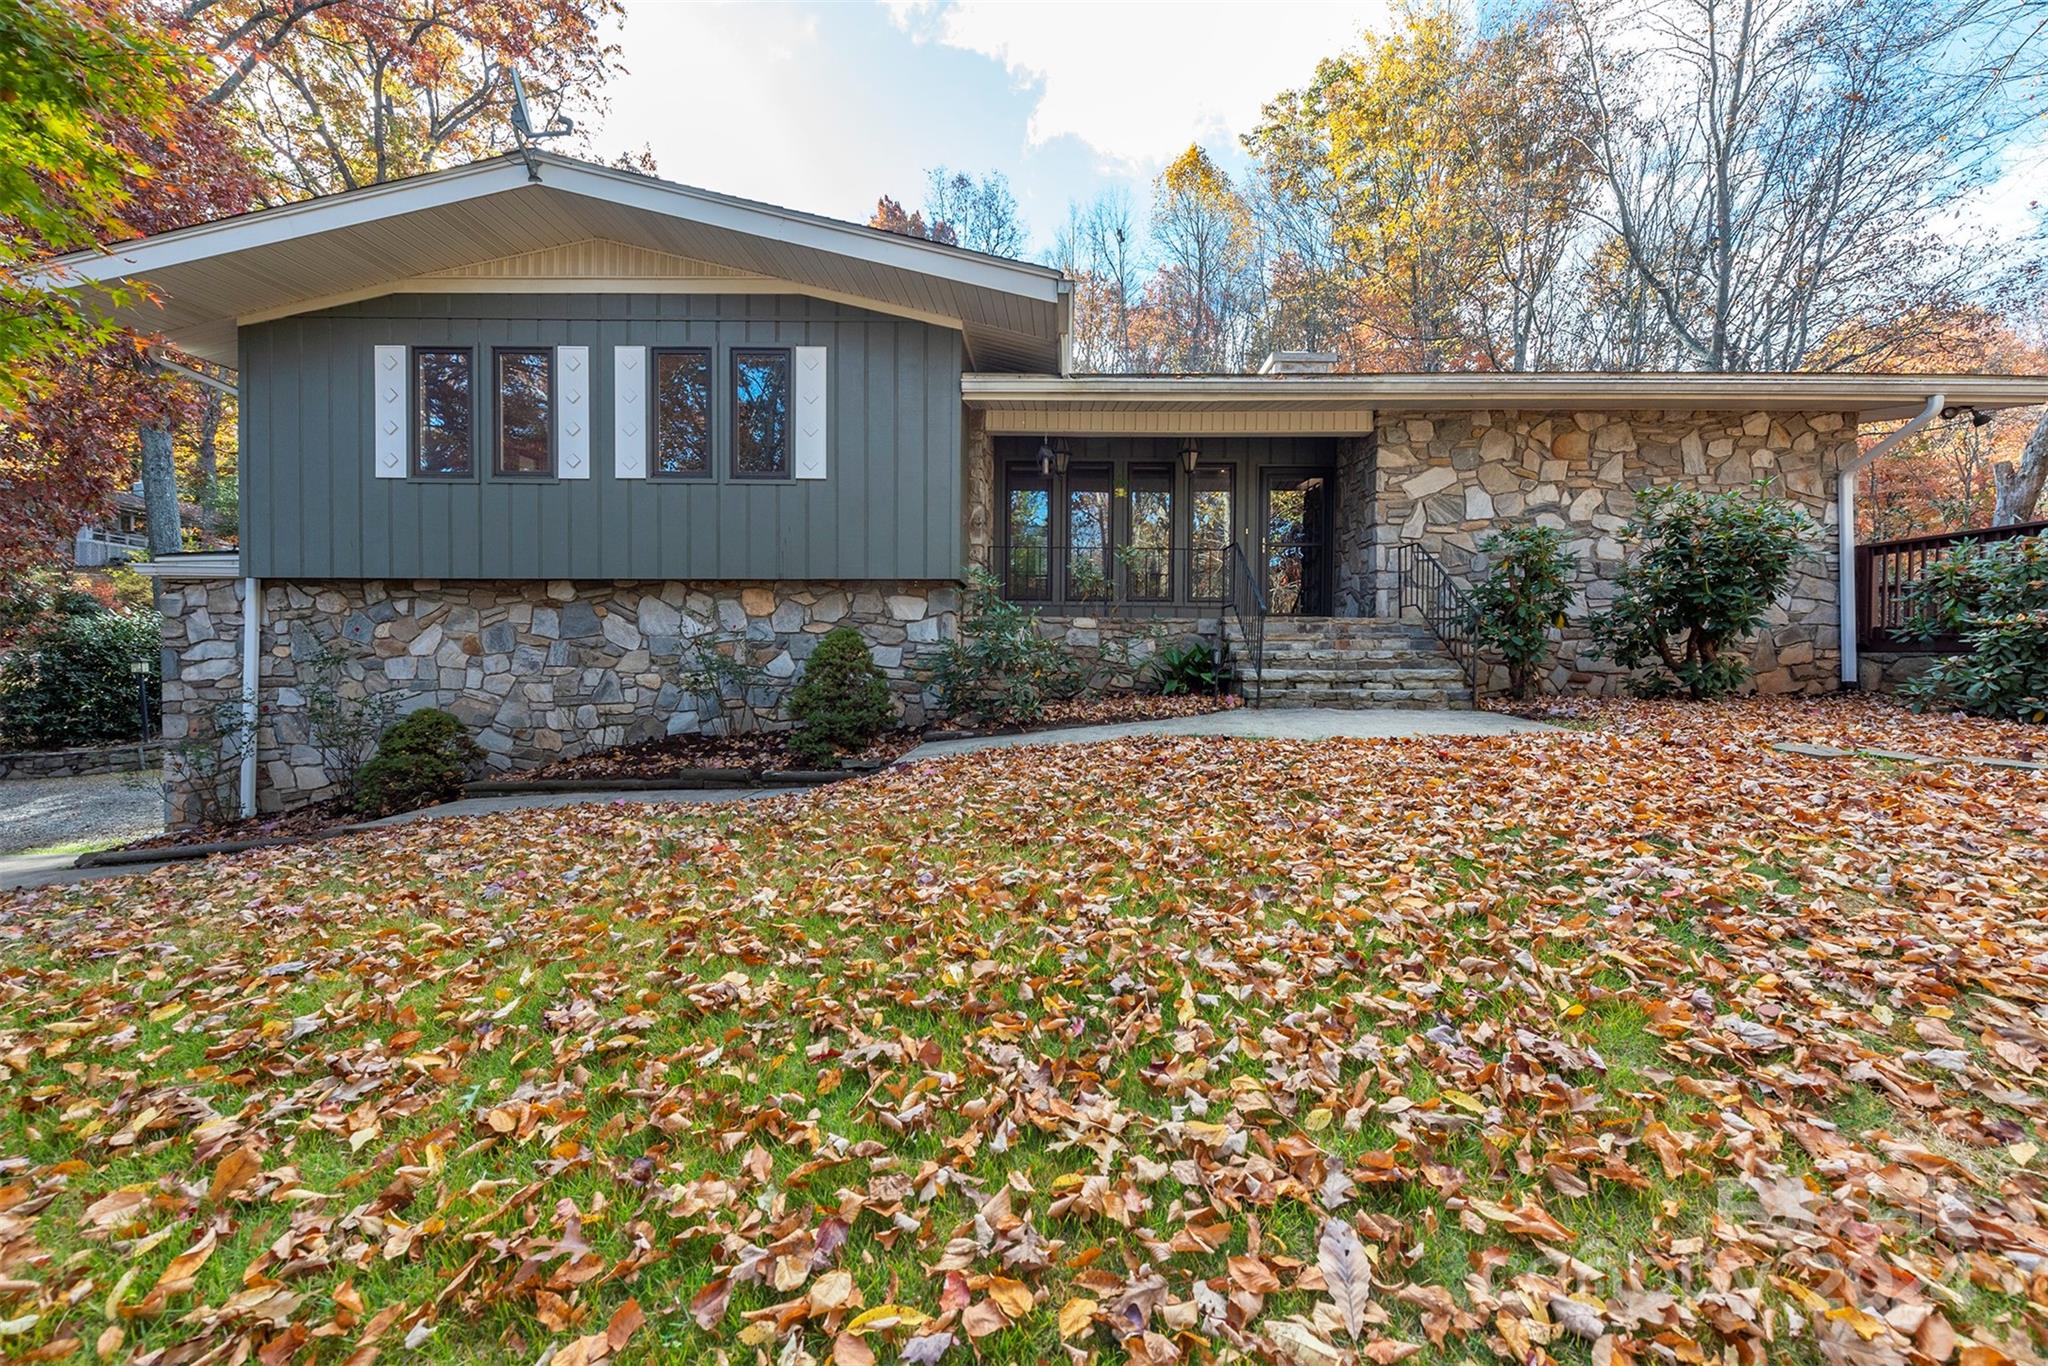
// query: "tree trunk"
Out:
[160,491]
[2019,489]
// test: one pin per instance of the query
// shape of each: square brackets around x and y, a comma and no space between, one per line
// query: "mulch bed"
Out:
[756,754]
[294,824]
[1103,711]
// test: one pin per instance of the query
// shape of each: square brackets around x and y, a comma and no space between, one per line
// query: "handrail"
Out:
[1423,583]
[1245,592]
[1888,578]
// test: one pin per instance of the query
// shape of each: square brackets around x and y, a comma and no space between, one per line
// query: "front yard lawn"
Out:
[1643,1042]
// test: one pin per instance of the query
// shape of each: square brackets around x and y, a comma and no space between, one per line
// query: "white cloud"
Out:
[1139,82]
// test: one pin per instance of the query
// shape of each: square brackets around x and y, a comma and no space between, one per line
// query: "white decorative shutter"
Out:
[572,412]
[387,375]
[629,412]
[810,412]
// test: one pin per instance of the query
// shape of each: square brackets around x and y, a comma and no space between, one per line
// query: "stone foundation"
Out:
[1884,670]
[535,670]
[1113,651]
[80,763]
[1449,479]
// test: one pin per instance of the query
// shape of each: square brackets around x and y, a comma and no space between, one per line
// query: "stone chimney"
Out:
[1299,363]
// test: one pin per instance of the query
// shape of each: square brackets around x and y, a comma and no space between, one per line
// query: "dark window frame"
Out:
[498,470]
[1155,470]
[414,446]
[709,474]
[787,355]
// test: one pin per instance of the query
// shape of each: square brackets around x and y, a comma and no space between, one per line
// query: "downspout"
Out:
[252,636]
[1845,532]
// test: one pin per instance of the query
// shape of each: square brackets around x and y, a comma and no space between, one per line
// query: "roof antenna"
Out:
[526,132]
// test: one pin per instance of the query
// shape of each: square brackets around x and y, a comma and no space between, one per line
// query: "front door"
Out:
[1296,549]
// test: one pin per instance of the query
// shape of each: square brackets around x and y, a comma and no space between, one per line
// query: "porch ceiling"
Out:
[1276,404]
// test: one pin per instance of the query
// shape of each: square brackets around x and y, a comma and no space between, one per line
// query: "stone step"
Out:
[1421,672]
[1361,699]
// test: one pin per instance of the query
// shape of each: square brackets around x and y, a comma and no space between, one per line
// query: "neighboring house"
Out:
[516,441]
[121,536]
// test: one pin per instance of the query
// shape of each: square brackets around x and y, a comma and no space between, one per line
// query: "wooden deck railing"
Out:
[1888,573]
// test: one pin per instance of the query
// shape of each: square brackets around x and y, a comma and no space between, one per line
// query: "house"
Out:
[120,536]
[515,435]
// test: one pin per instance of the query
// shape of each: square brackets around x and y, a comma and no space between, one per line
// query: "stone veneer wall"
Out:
[1885,670]
[1447,479]
[535,670]
[979,534]
[1352,533]
[1115,648]
[79,763]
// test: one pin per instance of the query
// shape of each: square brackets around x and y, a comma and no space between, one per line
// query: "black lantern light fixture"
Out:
[1190,455]
[1061,454]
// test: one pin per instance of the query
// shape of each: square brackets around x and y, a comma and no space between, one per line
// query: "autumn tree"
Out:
[981,212]
[343,93]
[1204,305]
[890,216]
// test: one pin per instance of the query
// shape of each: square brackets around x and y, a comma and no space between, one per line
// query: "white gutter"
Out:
[1845,531]
[163,362]
[252,635]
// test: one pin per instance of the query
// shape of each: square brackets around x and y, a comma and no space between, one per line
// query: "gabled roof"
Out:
[1013,314]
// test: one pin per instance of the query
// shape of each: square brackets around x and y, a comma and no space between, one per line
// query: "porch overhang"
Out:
[1271,405]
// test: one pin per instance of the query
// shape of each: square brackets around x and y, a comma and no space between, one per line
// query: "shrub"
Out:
[1996,598]
[204,764]
[422,759]
[720,670]
[70,680]
[842,701]
[1001,667]
[1180,670]
[1521,598]
[1708,567]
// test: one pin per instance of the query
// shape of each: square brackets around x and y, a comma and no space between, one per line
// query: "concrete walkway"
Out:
[1259,723]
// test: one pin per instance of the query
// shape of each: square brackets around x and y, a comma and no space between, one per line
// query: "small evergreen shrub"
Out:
[842,701]
[1182,670]
[1706,569]
[422,759]
[1522,597]
[1996,598]
[69,678]
[1001,668]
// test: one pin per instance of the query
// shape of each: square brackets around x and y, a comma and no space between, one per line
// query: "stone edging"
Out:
[1908,757]
[81,762]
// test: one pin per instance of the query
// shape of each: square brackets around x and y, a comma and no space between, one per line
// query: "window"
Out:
[682,413]
[1149,559]
[525,438]
[1209,535]
[760,414]
[442,412]
[1025,555]
[1088,562]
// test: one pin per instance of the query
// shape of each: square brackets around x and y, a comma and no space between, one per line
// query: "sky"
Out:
[824,107]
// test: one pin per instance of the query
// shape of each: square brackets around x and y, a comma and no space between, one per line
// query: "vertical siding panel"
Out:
[913,529]
[880,483]
[289,440]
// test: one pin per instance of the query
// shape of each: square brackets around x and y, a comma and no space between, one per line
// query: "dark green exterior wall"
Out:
[889,508]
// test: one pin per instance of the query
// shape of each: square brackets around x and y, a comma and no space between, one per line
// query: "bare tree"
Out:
[1099,248]
[1780,171]
[982,213]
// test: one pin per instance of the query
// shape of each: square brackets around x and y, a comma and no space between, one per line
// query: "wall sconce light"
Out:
[1979,418]
[1045,457]
[1190,455]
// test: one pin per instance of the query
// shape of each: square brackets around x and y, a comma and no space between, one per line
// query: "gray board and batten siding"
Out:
[312,506]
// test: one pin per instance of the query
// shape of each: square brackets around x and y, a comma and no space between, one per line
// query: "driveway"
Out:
[102,810]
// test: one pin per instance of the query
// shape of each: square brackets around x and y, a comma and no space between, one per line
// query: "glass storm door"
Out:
[1297,544]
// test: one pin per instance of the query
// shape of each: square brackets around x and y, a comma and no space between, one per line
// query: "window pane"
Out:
[1087,534]
[682,412]
[441,412]
[760,424]
[525,445]
[1209,533]
[1025,555]
[1149,558]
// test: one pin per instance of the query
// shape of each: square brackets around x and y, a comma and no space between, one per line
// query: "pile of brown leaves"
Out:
[756,751]
[1641,1044]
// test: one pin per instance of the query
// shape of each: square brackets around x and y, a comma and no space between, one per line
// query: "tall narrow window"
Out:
[760,414]
[682,413]
[1088,562]
[1025,557]
[1149,558]
[525,382]
[443,414]
[1209,533]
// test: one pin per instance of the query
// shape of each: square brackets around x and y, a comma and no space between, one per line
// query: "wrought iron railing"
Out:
[1423,585]
[1888,578]
[1091,576]
[1247,601]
